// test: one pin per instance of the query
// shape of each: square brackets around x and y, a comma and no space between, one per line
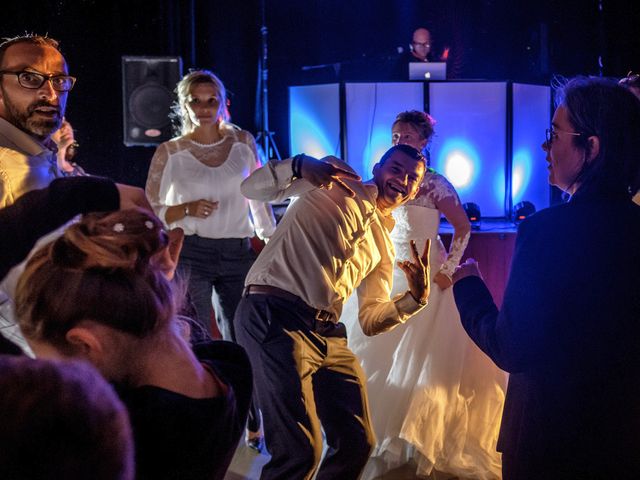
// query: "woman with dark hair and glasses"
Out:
[568,330]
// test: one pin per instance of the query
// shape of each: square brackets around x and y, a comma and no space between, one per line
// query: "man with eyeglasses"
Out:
[34,84]
[420,45]
[420,50]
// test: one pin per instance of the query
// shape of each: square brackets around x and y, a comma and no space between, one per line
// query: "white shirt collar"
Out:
[19,140]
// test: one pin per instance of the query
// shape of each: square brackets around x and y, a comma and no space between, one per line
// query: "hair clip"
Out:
[118,227]
[149,224]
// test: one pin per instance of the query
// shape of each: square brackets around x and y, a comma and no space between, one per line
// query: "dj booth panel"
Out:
[487,140]
[314,120]
[470,144]
[371,109]
[531,116]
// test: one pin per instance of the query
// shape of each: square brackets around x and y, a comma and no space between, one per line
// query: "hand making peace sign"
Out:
[418,272]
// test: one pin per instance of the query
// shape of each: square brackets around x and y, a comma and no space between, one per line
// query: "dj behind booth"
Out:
[419,61]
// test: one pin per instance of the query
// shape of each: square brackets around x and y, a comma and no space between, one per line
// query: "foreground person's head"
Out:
[98,292]
[61,420]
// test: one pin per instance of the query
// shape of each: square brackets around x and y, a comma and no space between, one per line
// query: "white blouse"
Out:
[183,171]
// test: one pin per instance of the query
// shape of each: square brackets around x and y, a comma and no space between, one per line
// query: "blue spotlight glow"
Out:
[309,135]
[459,162]
[459,169]
[380,143]
[499,186]
[521,174]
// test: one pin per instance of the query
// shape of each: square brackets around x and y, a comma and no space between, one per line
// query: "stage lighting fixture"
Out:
[473,214]
[522,210]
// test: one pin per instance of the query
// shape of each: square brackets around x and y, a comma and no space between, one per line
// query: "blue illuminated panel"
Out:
[531,114]
[469,147]
[371,109]
[314,120]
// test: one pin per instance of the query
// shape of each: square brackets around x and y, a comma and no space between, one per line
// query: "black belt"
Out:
[321,315]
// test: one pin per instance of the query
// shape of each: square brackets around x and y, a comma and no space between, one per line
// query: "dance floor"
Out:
[247,464]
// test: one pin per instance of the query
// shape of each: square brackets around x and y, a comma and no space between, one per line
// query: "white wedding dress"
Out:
[434,396]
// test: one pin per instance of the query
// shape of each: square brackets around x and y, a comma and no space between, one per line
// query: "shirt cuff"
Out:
[283,171]
[407,306]
[161,213]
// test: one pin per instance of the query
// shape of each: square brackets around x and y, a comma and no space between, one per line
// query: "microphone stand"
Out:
[264,137]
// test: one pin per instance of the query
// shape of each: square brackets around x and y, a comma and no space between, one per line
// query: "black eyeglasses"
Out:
[34,80]
[552,133]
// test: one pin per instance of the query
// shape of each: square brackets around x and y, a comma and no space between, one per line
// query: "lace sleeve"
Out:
[444,197]
[263,220]
[154,179]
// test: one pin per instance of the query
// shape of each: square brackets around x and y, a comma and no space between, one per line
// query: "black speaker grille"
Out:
[149,105]
[148,85]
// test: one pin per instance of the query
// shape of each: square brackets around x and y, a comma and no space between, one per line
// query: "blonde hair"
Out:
[101,270]
[183,90]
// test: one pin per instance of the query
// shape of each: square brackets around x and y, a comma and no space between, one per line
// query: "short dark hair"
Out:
[601,107]
[30,38]
[61,420]
[407,150]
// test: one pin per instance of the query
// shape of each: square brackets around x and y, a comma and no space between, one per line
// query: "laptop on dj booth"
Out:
[427,71]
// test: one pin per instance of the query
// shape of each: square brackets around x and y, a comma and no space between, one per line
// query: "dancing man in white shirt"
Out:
[333,239]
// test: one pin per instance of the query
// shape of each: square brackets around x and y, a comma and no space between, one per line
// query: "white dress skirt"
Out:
[434,396]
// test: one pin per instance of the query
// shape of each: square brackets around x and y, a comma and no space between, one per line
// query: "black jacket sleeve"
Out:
[40,211]
[514,337]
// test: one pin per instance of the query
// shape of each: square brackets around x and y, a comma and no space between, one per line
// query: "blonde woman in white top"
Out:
[194,183]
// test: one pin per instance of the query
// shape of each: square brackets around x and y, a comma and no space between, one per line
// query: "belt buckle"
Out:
[323,315]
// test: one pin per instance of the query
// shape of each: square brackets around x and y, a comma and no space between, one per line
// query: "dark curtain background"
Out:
[354,40]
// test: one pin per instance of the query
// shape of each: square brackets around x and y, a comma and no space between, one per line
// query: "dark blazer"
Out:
[569,334]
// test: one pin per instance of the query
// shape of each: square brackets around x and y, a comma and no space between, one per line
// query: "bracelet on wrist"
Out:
[420,302]
[296,166]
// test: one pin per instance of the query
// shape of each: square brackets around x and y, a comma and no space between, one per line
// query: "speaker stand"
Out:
[264,137]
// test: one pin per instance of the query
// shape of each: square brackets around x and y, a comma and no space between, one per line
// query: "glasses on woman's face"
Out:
[552,133]
[421,44]
[34,80]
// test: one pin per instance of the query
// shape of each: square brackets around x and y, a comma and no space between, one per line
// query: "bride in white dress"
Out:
[434,396]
